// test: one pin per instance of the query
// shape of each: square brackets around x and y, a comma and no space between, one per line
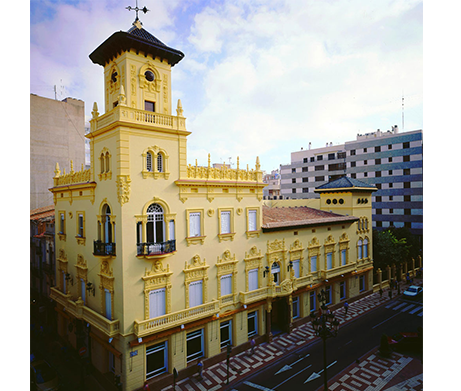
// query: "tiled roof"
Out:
[144,34]
[345,182]
[43,212]
[300,216]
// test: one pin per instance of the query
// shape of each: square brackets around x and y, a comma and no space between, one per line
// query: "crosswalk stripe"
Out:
[257,386]
[399,306]
[407,308]
[421,313]
[415,310]
[392,304]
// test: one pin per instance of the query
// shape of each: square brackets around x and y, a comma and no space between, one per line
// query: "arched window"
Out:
[155,224]
[106,234]
[107,162]
[359,249]
[101,160]
[149,162]
[275,270]
[160,162]
[365,248]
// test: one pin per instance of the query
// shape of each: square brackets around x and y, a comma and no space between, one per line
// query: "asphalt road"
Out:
[353,341]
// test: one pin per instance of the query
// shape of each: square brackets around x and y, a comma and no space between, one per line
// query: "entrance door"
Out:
[280,321]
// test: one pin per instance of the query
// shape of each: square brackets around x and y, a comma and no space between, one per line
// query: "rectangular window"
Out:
[252,219]
[62,223]
[252,323]
[319,178]
[195,224]
[296,268]
[314,264]
[390,160]
[342,290]
[225,222]
[226,285]
[108,303]
[364,150]
[406,171]
[319,168]
[305,190]
[195,346]
[83,289]
[306,179]
[378,174]
[406,158]
[328,294]
[354,176]
[195,293]
[305,169]
[80,232]
[226,333]
[295,307]
[406,145]
[343,257]
[253,279]
[353,164]
[378,149]
[305,160]
[365,162]
[293,191]
[377,161]
[390,172]
[293,170]
[156,359]
[329,261]
[331,156]
[312,159]
[157,303]
[293,180]
[352,152]
[407,198]
[389,146]
[312,301]
[406,185]
[319,157]
[149,106]
[362,283]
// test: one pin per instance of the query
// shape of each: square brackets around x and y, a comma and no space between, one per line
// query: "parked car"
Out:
[413,291]
[405,341]
[42,376]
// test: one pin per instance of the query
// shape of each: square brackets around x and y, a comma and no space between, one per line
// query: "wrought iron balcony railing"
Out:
[156,248]
[101,248]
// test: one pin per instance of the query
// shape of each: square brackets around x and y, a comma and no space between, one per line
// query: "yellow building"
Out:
[161,263]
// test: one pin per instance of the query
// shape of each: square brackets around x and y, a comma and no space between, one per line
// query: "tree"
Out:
[388,250]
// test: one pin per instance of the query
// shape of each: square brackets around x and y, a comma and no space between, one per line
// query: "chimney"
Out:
[309,145]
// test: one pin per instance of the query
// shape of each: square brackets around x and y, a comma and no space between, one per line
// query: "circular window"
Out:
[328,201]
[149,75]
[341,201]
[335,201]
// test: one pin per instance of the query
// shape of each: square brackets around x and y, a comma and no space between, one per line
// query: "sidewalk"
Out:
[242,364]
[377,373]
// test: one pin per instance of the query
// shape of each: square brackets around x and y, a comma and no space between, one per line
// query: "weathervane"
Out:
[129,8]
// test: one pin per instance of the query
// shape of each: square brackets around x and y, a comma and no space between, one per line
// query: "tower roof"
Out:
[138,39]
[351,184]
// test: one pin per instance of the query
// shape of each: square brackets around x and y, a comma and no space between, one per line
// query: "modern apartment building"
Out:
[57,133]
[390,160]
[161,263]
[272,190]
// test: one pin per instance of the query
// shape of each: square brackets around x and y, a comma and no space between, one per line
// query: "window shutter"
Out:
[195,293]
[149,161]
[226,285]
[252,220]
[253,279]
[225,222]
[194,224]
[296,268]
[83,287]
[314,264]
[160,162]
[157,303]
[329,261]
[108,300]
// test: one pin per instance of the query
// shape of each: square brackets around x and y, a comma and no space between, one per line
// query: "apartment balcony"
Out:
[79,311]
[334,272]
[156,250]
[103,249]
[253,296]
[174,319]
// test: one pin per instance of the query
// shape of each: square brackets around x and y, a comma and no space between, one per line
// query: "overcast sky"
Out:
[260,77]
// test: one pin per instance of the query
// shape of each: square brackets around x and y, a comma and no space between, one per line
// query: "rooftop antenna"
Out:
[403,110]
[129,8]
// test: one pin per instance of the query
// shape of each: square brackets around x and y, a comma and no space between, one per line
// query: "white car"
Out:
[413,291]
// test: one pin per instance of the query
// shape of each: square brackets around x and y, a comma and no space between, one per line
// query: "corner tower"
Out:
[137,70]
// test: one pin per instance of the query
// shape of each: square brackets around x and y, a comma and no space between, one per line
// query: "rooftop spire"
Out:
[129,8]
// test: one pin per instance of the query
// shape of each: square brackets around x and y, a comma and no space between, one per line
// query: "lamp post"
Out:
[325,326]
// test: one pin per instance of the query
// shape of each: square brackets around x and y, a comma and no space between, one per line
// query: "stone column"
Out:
[290,313]
[268,321]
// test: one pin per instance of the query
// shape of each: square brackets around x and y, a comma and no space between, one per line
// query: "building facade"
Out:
[57,133]
[272,190]
[160,263]
[391,161]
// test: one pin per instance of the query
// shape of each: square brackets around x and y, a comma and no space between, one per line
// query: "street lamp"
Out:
[325,326]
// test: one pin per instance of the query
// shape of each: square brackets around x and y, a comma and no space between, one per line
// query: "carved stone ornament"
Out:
[123,188]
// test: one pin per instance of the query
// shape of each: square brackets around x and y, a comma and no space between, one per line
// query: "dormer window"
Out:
[149,76]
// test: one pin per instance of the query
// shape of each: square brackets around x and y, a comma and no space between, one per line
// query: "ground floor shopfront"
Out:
[154,357]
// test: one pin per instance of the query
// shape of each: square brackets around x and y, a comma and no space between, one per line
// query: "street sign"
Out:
[82,351]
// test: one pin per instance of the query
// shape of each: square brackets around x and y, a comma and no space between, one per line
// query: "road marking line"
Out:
[302,358]
[332,364]
[379,324]
[257,386]
[421,313]
[399,306]
[292,376]
[407,308]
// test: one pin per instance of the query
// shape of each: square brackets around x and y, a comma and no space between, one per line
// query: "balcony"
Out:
[154,325]
[253,296]
[104,249]
[78,310]
[156,250]
[327,274]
